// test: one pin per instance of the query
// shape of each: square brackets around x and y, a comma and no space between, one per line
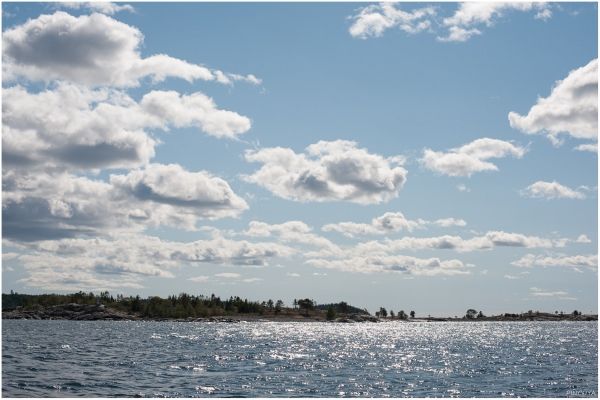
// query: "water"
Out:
[156,359]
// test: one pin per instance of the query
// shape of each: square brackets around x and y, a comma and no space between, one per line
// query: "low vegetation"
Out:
[189,306]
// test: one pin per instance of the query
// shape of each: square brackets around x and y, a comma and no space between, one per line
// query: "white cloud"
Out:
[470,158]
[318,274]
[551,190]
[446,222]
[388,223]
[39,206]
[544,14]
[295,275]
[559,260]
[583,239]
[229,275]
[548,294]
[9,256]
[487,242]
[69,264]
[374,19]
[511,277]
[587,147]
[93,50]
[199,279]
[76,128]
[103,7]
[199,193]
[397,264]
[332,171]
[571,108]
[471,13]
[458,34]
[293,231]
[251,280]
[463,188]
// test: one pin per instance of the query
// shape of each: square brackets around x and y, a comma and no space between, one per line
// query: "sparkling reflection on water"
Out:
[156,359]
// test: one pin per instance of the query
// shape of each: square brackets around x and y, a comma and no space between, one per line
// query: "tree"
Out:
[278,306]
[306,304]
[480,315]
[392,314]
[343,307]
[402,314]
[382,312]
[331,313]
[576,312]
[136,304]
[295,303]
[377,313]
[412,314]
[270,304]
[471,313]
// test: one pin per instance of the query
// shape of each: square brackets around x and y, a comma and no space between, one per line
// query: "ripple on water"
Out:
[141,359]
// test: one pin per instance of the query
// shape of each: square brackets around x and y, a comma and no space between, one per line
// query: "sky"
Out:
[433,157]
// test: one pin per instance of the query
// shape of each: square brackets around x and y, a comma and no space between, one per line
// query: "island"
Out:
[188,308]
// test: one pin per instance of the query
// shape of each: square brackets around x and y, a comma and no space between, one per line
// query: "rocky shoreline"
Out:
[84,312]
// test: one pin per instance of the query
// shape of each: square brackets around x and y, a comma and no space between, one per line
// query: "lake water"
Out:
[163,359]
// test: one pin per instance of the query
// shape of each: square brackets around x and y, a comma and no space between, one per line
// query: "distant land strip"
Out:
[187,308]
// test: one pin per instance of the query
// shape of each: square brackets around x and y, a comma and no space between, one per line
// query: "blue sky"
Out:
[419,156]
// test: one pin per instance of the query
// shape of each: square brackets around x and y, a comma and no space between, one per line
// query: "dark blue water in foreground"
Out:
[156,359]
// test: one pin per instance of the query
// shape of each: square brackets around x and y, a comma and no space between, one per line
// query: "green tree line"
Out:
[176,306]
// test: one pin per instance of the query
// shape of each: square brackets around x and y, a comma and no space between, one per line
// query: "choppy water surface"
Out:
[155,359]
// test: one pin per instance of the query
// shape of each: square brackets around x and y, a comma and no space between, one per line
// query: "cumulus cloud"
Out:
[293,231]
[571,108]
[293,275]
[41,206]
[587,147]
[511,277]
[458,34]
[471,13]
[470,158]
[251,280]
[200,278]
[230,275]
[389,222]
[543,14]
[395,264]
[125,261]
[551,190]
[583,239]
[558,260]
[92,50]
[331,171]
[374,19]
[77,128]
[103,7]
[548,294]
[9,256]
[463,188]
[200,193]
[487,242]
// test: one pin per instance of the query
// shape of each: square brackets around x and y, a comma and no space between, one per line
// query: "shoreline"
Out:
[82,312]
